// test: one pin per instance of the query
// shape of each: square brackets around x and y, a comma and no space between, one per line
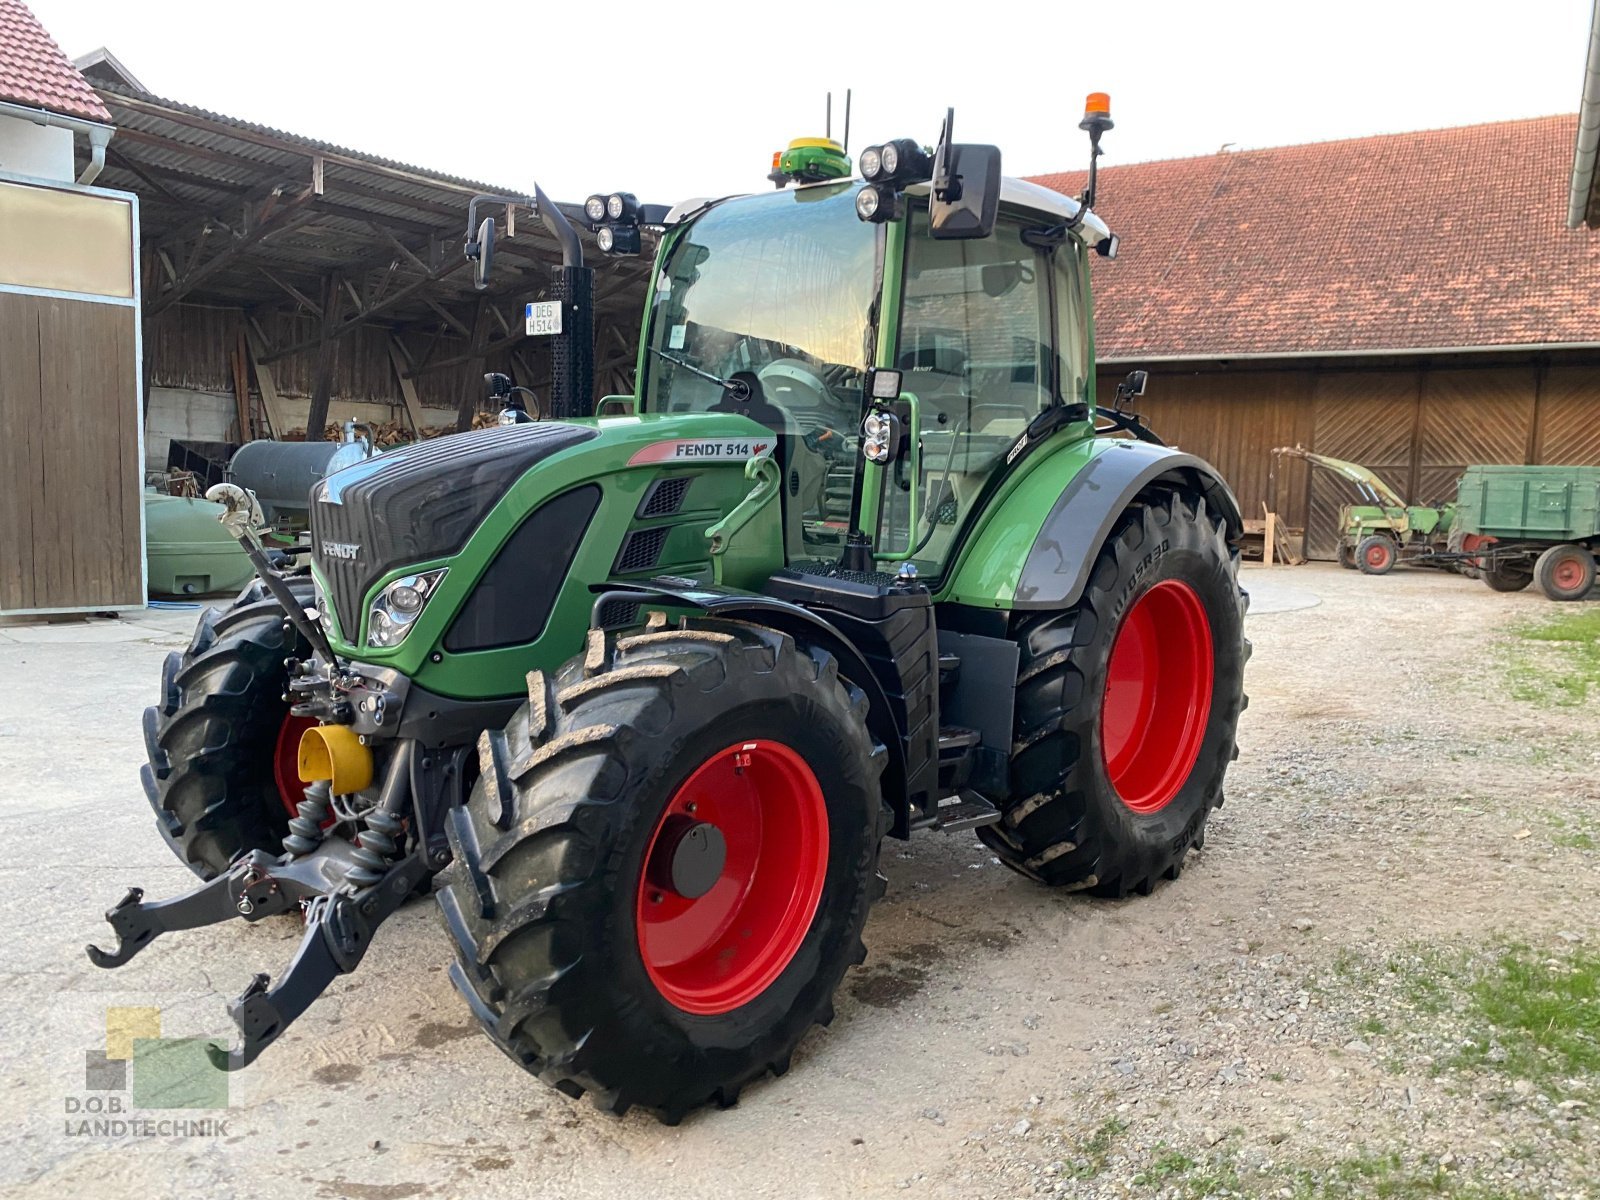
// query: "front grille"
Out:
[665,496]
[641,549]
[419,503]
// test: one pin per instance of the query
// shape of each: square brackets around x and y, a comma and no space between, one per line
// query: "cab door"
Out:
[989,337]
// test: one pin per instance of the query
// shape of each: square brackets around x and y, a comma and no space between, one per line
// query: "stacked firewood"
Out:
[389,433]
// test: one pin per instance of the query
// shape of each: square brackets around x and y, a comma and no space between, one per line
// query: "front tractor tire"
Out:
[664,869]
[220,742]
[1127,707]
[1376,554]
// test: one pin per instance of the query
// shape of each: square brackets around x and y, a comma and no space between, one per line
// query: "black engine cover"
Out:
[416,504]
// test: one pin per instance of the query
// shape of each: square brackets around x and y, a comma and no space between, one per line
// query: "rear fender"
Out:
[1058,563]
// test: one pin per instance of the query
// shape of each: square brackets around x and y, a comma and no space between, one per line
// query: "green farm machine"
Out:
[1385,530]
[645,683]
[1509,525]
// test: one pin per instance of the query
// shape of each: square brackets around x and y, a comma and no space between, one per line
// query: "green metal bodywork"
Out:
[1556,504]
[733,535]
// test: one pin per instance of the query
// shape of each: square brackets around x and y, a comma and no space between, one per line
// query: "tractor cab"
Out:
[791,309]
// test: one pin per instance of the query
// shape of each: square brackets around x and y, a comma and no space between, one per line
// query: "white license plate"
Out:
[544,318]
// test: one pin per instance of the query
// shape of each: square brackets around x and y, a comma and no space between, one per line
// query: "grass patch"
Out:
[1574,642]
[1545,1011]
[1094,1152]
[1192,1179]
[1387,1177]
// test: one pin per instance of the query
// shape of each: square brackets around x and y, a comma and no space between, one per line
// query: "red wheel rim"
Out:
[1568,574]
[1158,696]
[1378,555]
[286,761]
[720,950]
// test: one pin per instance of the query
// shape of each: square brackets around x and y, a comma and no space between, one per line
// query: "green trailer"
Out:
[1532,523]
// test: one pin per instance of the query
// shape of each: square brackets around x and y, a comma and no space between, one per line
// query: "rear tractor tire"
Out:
[1565,572]
[664,869]
[221,745]
[1376,554]
[1127,707]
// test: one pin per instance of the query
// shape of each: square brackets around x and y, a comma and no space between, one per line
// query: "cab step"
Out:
[964,810]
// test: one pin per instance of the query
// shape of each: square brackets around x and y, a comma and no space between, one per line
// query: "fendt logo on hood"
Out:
[341,549]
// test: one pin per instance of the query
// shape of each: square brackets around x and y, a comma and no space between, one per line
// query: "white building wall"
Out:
[39,151]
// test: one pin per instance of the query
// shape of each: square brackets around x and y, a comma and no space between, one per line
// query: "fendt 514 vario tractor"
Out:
[646,683]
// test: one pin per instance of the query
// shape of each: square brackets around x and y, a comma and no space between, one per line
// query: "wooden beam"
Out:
[327,358]
[472,383]
[295,293]
[408,389]
[285,216]
[366,314]
[241,387]
[255,342]
[448,317]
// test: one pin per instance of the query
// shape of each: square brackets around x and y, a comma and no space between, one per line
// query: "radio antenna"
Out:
[847,120]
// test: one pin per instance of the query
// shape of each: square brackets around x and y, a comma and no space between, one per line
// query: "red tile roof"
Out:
[34,72]
[1440,239]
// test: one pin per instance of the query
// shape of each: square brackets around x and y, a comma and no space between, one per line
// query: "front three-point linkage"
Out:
[345,889]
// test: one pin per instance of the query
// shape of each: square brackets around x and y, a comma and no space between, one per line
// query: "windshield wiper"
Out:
[736,388]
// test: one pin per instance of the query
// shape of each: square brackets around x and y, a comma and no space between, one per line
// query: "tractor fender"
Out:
[802,624]
[1057,566]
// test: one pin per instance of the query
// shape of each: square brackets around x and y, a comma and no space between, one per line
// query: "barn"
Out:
[1414,302]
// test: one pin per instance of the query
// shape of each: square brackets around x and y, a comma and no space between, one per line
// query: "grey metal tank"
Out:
[282,474]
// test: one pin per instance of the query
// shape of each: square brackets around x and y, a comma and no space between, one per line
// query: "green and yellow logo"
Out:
[138,1070]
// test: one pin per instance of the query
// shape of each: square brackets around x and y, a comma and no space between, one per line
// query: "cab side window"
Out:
[976,345]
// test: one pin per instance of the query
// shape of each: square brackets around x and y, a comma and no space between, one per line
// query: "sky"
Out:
[676,100]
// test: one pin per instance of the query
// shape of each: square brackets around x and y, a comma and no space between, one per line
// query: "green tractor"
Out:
[1373,537]
[645,684]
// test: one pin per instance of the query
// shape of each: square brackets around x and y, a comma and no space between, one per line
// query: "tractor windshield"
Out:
[777,291]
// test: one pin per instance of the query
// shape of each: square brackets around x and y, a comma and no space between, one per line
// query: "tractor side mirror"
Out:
[482,254]
[967,207]
[1133,385]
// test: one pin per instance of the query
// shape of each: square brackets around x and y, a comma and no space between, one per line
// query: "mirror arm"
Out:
[549,214]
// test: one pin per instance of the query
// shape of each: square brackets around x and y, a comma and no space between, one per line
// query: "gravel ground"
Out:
[1304,1013]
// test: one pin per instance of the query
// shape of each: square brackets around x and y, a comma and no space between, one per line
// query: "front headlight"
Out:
[324,610]
[398,606]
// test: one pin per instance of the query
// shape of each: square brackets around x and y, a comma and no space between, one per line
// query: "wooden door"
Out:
[71,508]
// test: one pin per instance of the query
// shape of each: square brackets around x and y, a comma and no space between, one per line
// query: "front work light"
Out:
[871,163]
[594,209]
[621,206]
[618,239]
[395,611]
[877,202]
[905,162]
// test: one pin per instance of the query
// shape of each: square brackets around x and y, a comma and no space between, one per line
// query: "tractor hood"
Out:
[505,532]
[419,503]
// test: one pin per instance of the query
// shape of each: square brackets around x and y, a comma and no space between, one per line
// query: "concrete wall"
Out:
[35,150]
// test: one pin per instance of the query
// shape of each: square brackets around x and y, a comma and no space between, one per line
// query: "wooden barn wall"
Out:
[1417,424]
